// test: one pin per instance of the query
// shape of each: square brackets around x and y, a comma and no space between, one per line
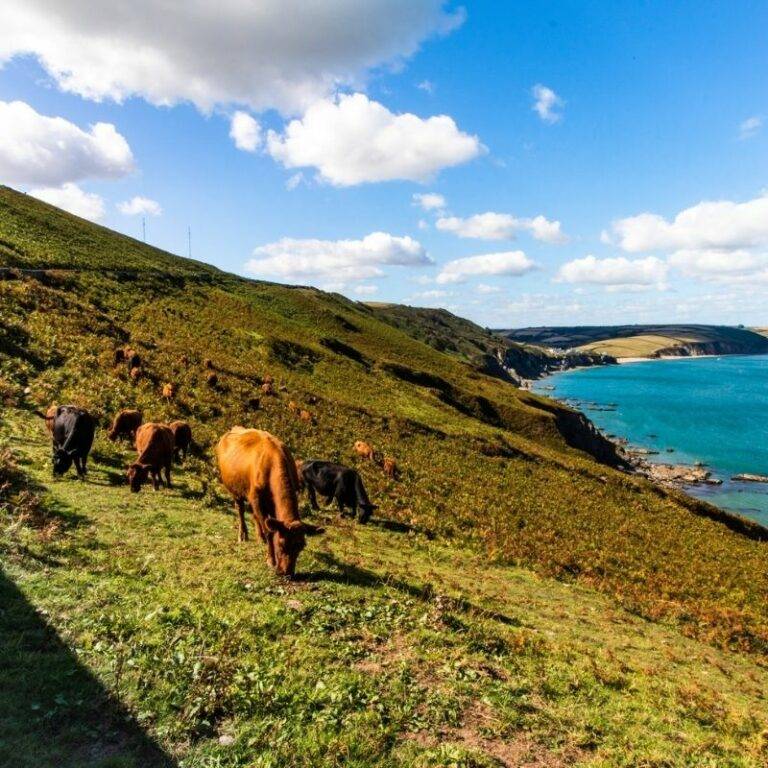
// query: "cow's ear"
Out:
[312,530]
[275,525]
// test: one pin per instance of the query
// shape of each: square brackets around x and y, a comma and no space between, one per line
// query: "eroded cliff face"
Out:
[700,348]
[528,363]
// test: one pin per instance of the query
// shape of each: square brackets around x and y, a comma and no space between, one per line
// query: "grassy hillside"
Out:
[647,340]
[436,636]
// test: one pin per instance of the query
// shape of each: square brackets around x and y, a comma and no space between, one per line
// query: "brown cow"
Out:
[306,416]
[364,450]
[256,467]
[154,444]
[136,373]
[389,465]
[268,379]
[132,359]
[125,425]
[182,439]
[208,363]
[268,388]
[212,380]
[48,416]
[169,390]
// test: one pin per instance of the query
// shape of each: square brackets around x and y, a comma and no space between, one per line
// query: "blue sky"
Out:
[648,111]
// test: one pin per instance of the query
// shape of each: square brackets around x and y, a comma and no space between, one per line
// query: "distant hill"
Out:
[488,351]
[623,341]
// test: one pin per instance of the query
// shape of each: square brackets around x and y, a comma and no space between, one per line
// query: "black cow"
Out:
[336,482]
[73,431]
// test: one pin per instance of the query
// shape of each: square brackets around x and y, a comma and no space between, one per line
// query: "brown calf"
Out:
[182,439]
[154,444]
[169,390]
[256,467]
[364,450]
[389,465]
[125,425]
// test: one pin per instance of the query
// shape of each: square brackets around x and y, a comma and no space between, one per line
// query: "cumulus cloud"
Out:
[429,201]
[546,103]
[353,140]
[235,52]
[717,264]
[508,263]
[750,127]
[73,199]
[140,206]
[335,261]
[615,273]
[722,225]
[245,131]
[501,226]
[37,149]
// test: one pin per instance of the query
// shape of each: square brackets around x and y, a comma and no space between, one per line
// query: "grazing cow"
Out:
[268,388]
[169,390]
[119,357]
[72,434]
[125,425]
[154,445]
[364,450]
[256,467]
[390,467]
[135,373]
[306,416]
[208,363]
[253,403]
[336,482]
[182,439]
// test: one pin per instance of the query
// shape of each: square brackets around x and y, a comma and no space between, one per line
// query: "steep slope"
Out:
[490,352]
[487,470]
[647,340]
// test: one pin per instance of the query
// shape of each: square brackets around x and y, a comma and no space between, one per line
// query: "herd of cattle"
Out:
[255,467]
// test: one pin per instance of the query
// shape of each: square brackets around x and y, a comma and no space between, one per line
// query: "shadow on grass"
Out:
[53,711]
[345,573]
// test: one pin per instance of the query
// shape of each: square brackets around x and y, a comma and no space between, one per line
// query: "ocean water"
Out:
[708,409]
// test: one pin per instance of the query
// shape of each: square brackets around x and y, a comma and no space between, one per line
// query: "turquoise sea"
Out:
[708,409]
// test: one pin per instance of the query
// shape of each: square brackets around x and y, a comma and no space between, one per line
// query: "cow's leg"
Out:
[312,497]
[242,528]
[258,515]
[168,474]
[78,467]
[155,478]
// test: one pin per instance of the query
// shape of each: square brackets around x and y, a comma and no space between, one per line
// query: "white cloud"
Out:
[750,127]
[433,294]
[546,103]
[275,53]
[335,261]
[429,201]
[427,86]
[716,264]
[720,225]
[138,206]
[73,199]
[36,149]
[617,273]
[509,263]
[294,181]
[501,226]
[486,289]
[353,140]
[245,131]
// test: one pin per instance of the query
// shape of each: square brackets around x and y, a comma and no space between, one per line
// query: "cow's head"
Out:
[137,476]
[288,539]
[366,510]
[62,461]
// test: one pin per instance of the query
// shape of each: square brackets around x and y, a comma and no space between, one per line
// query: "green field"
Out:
[513,599]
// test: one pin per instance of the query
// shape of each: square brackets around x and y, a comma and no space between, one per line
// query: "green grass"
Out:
[161,616]
[389,650]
